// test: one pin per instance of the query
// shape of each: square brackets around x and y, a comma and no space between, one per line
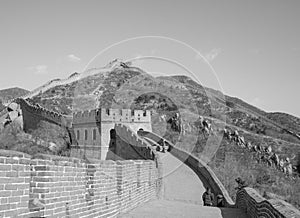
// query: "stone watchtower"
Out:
[92,128]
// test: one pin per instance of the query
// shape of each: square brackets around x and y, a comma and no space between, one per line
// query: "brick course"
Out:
[256,206]
[52,186]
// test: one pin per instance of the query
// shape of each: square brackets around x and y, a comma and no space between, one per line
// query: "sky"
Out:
[253,46]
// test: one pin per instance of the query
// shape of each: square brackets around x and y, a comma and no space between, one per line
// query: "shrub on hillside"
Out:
[230,104]
[51,133]
[258,176]
[13,138]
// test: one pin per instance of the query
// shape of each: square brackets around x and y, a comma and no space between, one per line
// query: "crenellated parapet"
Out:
[53,83]
[255,205]
[112,116]
[41,112]
[141,147]
[202,170]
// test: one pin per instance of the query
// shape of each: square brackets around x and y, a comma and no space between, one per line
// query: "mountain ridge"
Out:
[121,85]
[96,87]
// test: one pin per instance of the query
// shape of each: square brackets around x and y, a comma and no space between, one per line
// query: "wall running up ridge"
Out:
[32,115]
[203,171]
[73,78]
[51,84]
[248,199]
[52,186]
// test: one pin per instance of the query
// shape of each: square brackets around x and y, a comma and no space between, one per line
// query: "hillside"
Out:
[119,85]
[11,93]
[288,121]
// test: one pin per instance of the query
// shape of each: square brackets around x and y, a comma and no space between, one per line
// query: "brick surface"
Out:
[69,187]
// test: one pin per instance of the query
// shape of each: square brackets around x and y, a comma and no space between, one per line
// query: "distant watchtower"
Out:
[92,128]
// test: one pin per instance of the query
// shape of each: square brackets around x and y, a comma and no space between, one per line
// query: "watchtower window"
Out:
[145,113]
[78,135]
[85,134]
[94,134]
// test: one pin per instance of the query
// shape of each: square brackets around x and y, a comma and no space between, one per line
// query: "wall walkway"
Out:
[248,200]
[181,197]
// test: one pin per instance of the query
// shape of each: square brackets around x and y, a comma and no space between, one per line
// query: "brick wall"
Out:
[32,115]
[247,199]
[203,171]
[255,205]
[102,121]
[128,145]
[15,176]
[52,186]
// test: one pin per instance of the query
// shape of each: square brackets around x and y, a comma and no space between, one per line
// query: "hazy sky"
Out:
[253,45]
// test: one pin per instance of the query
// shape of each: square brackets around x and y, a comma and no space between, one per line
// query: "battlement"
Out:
[42,112]
[128,135]
[55,82]
[112,116]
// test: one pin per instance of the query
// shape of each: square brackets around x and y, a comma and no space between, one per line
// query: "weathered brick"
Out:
[5,193]
[17,180]
[24,174]
[11,174]
[24,161]
[3,200]
[59,209]
[22,209]
[22,186]
[14,199]
[24,198]
[40,168]
[10,213]
[18,167]
[4,207]
[10,187]
[5,167]
[45,173]
[22,204]
[12,161]
[42,179]
[48,213]
[40,190]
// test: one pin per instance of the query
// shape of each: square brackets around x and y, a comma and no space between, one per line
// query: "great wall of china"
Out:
[53,186]
[248,199]
[32,115]
[73,78]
